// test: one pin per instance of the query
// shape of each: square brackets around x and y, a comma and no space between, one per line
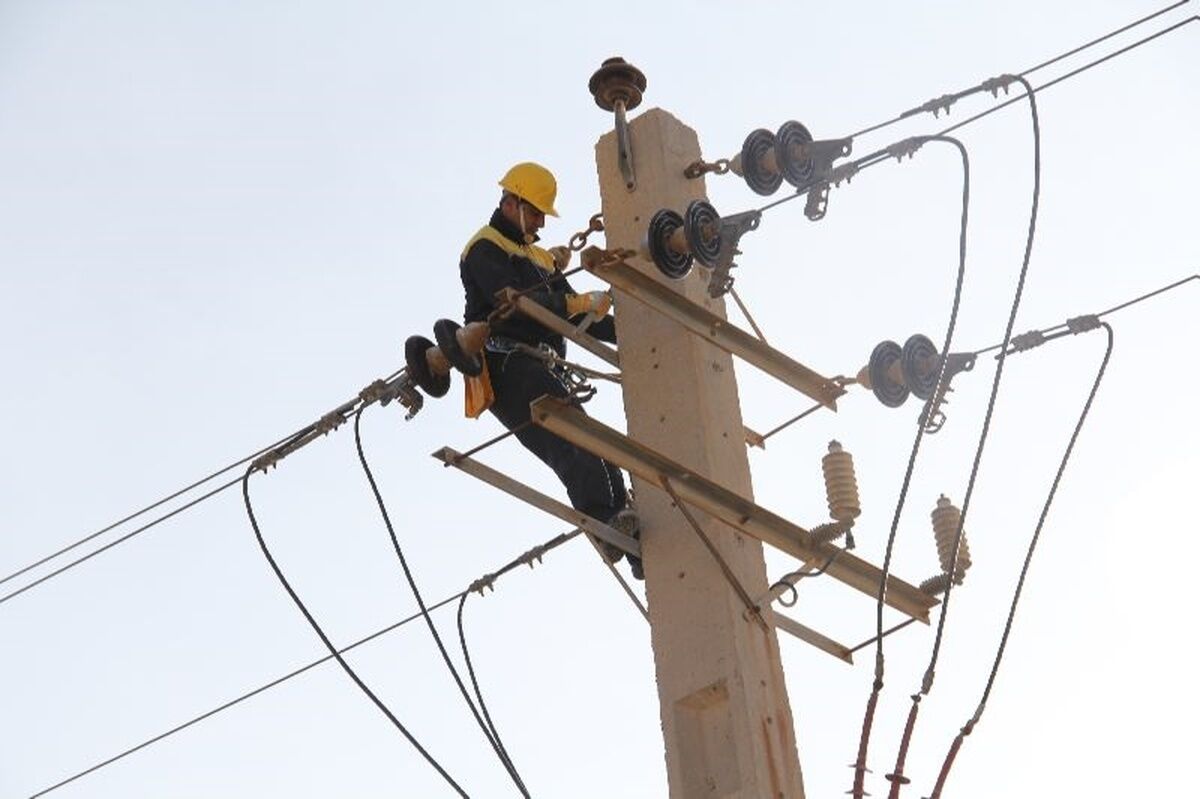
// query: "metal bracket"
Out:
[733,227]
[730,507]
[402,389]
[823,153]
[712,328]
[932,417]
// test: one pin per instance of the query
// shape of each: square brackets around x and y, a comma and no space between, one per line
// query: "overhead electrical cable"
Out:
[142,512]
[333,650]
[528,558]
[897,777]
[1033,542]
[121,540]
[486,726]
[860,767]
[1050,61]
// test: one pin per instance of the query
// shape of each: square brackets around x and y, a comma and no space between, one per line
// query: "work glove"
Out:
[593,302]
[561,256]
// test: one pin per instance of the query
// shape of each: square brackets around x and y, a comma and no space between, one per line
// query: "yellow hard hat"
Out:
[534,184]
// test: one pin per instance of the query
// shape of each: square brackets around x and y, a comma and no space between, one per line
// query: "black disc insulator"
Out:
[796,171]
[702,226]
[443,331]
[663,225]
[762,181]
[887,390]
[919,363]
[418,366]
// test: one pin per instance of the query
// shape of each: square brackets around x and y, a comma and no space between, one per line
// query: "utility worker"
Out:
[504,254]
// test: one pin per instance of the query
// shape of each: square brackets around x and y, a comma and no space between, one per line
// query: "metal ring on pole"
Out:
[795,164]
[761,179]
[445,330]
[887,390]
[702,226]
[919,362]
[670,261]
[415,349]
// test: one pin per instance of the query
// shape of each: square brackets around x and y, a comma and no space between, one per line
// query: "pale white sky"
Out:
[220,220]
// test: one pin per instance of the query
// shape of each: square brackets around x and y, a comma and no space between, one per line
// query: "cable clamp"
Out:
[843,172]
[330,422]
[905,147]
[1027,341]
[939,104]
[999,83]
[1083,324]
[373,393]
[484,583]
[266,461]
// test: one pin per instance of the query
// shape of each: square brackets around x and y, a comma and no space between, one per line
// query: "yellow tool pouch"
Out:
[479,394]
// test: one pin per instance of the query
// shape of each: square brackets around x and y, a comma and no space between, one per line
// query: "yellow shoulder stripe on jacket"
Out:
[531,251]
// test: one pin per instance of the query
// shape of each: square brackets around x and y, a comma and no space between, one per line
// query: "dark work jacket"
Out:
[486,269]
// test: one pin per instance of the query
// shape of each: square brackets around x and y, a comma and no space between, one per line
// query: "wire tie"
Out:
[373,393]
[939,104]
[1027,341]
[999,83]
[1082,324]
[842,172]
[906,147]
[482,584]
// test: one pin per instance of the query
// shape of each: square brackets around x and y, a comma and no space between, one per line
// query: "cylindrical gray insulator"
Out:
[946,520]
[841,487]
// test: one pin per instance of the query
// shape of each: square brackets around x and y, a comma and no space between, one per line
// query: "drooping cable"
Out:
[416,592]
[534,554]
[333,650]
[897,777]
[860,767]
[1033,542]
[493,732]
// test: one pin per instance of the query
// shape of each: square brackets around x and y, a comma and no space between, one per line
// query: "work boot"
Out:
[626,521]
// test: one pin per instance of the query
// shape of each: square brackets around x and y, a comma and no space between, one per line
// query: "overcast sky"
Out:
[220,220]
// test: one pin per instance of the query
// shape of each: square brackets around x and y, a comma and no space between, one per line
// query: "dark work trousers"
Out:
[595,486]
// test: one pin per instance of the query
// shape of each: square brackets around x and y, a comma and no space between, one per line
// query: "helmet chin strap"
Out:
[525,235]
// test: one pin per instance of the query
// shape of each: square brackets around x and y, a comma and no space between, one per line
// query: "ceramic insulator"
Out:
[946,519]
[841,489]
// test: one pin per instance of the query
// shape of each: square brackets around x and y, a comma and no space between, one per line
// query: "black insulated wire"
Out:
[897,777]
[483,708]
[1033,542]
[416,592]
[860,766]
[489,580]
[333,650]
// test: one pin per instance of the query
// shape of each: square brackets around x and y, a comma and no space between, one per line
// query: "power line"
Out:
[487,727]
[1054,60]
[350,672]
[141,512]
[897,776]
[271,453]
[534,554]
[120,540]
[860,765]
[1012,611]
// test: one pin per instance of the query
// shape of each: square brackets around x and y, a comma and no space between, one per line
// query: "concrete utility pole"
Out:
[723,703]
